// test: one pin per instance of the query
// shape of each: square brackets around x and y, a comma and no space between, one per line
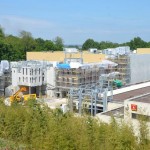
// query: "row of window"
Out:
[31,80]
[25,71]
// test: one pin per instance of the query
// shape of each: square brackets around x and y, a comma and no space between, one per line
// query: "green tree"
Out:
[137,42]
[107,44]
[59,44]
[27,41]
[49,46]
[90,43]
[17,49]
[6,51]
[2,34]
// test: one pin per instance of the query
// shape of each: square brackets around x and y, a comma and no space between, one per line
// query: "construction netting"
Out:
[105,64]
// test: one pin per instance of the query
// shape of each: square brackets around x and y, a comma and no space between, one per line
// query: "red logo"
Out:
[133,107]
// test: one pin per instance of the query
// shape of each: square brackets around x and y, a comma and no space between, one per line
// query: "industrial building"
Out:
[129,103]
[59,56]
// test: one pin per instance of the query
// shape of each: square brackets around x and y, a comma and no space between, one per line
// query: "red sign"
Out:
[133,107]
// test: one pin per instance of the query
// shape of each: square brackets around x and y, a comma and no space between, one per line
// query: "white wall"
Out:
[142,108]
[140,68]
[27,76]
[14,77]
[50,78]
[112,105]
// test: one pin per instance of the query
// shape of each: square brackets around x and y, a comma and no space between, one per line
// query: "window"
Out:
[19,79]
[26,71]
[134,116]
[39,70]
[23,71]
[23,79]
[43,79]
[140,116]
[39,79]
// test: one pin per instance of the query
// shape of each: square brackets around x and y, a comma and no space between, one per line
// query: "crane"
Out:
[18,98]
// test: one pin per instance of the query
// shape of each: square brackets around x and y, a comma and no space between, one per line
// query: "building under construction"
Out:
[83,82]
[34,75]
[121,56]
[74,73]
[123,68]
[67,78]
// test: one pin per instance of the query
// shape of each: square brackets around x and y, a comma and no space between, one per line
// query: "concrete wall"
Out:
[50,78]
[14,77]
[142,108]
[59,56]
[143,51]
[140,68]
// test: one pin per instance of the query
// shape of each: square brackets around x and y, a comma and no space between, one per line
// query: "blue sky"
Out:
[77,20]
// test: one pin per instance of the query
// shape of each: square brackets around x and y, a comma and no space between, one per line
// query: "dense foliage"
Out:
[34,127]
[15,48]
[135,43]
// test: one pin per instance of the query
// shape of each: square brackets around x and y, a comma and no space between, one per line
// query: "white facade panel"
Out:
[140,68]
[141,109]
[14,77]
[29,73]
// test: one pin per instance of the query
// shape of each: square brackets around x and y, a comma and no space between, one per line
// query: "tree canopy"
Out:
[14,48]
[34,127]
[135,43]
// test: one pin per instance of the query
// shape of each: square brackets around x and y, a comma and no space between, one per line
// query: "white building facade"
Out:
[38,74]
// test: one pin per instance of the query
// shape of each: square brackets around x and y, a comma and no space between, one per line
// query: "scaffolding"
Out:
[2,85]
[123,68]
[5,81]
[93,97]
[73,55]
[75,77]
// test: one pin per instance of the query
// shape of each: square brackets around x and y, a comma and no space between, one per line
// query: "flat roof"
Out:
[130,94]
[143,99]
[129,88]
[60,55]
[118,112]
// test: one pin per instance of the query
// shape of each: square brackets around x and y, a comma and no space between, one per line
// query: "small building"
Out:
[138,107]
[122,50]
[129,104]
[93,50]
